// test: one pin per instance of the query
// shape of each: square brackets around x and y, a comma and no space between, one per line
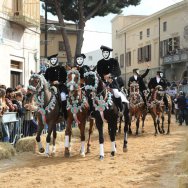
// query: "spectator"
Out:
[176,109]
[181,101]
[29,123]
[9,97]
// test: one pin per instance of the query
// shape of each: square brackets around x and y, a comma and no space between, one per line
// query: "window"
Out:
[147,55]
[61,46]
[148,32]
[164,26]
[176,43]
[144,54]
[15,78]
[122,60]
[141,35]
[128,59]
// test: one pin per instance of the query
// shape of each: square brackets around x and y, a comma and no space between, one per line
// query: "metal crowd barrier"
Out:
[13,128]
[10,127]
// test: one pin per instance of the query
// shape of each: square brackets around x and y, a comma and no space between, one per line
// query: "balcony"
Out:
[180,56]
[21,18]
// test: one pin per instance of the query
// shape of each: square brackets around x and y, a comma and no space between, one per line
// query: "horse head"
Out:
[73,79]
[134,91]
[36,83]
[91,81]
[159,92]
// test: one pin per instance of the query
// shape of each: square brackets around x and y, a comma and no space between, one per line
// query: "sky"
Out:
[98,29]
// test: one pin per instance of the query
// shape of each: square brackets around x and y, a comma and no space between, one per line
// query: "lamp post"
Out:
[46,33]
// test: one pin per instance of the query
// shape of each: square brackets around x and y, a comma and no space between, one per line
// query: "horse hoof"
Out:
[125,149]
[41,150]
[67,155]
[47,155]
[101,157]
[143,131]
[112,153]
[82,154]
[88,151]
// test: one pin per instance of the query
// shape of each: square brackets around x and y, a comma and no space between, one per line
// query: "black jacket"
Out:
[153,83]
[105,67]
[139,80]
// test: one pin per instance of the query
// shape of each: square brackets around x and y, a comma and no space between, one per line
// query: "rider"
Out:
[109,71]
[56,75]
[80,65]
[138,78]
[158,80]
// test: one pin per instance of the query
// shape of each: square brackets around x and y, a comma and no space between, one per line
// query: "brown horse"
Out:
[137,107]
[77,107]
[47,110]
[156,108]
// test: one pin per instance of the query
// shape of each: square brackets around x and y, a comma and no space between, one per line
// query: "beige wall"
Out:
[19,41]
[54,37]
[176,18]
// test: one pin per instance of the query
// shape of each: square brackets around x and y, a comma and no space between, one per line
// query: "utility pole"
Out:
[46,32]
[159,64]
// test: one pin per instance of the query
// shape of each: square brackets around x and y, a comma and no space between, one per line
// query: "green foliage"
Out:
[70,11]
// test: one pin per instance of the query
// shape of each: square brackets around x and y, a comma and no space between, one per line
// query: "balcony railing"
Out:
[180,56]
[21,18]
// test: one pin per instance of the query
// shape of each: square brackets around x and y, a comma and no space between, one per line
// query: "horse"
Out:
[137,107]
[156,108]
[77,109]
[47,110]
[102,109]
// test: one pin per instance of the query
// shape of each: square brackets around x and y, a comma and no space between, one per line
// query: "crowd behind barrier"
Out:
[17,119]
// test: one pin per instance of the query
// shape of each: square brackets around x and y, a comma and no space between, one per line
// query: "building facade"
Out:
[55,43]
[19,40]
[160,39]
[92,58]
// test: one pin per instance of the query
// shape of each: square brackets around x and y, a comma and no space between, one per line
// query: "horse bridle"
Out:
[40,83]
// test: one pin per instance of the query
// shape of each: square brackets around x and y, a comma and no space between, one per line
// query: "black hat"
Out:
[158,72]
[134,70]
[81,55]
[55,55]
[105,48]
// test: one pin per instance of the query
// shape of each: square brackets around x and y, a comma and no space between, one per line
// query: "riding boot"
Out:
[64,109]
[165,102]
[118,103]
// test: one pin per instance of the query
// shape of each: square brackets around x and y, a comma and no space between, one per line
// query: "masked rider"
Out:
[56,75]
[138,78]
[158,80]
[109,70]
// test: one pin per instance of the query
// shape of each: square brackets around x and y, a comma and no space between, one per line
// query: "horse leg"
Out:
[153,115]
[126,124]
[91,124]
[38,139]
[99,125]
[129,124]
[162,126]
[82,136]
[67,138]
[143,120]
[54,138]
[119,127]
[137,125]
[48,139]
[112,123]
[169,121]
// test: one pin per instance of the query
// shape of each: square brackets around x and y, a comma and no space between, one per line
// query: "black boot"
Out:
[64,109]
[119,104]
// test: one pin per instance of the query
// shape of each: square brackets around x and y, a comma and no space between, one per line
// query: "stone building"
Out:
[19,40]
[161,39]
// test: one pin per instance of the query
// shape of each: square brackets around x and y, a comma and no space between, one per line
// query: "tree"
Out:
[80,11]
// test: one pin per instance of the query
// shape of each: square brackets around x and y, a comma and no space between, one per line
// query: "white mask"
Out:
[54,61]
[105,54]
[79,61]
[161,74]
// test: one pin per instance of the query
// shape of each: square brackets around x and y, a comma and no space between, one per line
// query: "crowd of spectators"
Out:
[16,100]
